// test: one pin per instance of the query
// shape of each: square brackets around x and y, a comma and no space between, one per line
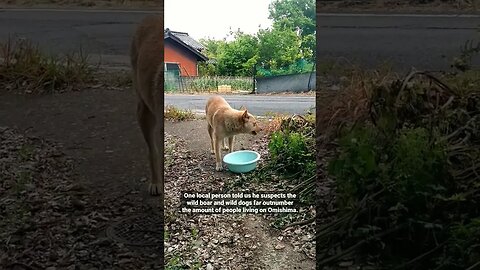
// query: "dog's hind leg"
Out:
[231,140]
[210,133]
[225,146]
[148,123]
[218,152]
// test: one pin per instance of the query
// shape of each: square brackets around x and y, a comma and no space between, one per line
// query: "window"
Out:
[172,66]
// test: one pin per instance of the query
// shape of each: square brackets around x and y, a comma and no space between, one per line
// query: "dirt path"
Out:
[98,129]
[261,246]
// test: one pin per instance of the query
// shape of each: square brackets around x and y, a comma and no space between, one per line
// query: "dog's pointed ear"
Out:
[245,115]
[243,108]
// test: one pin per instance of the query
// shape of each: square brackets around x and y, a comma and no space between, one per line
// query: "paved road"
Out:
[405,40]
[106,33]
[256,104]
[423,41]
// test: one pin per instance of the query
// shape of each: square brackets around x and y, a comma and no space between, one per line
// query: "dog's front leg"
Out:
[231,140]
[210,133]
[218,153]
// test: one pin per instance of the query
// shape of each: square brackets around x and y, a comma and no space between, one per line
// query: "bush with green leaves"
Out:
[292,146]
[407,166]
[291,151]
[292,154]
[407,185]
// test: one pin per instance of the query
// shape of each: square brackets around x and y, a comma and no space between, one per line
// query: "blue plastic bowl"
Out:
[241,161]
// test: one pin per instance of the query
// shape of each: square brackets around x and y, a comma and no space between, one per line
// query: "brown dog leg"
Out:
[231,140]
[225,146]
[210,133]
[147,122]
[218,153]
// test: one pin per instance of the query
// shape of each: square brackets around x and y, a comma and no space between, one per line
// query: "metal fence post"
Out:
[254,68]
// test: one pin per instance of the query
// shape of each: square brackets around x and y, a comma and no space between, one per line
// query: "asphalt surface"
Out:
[105,35]
[255,104]
[422,41]
[405,41]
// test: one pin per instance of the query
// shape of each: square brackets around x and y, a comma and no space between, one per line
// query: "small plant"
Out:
[24,177]
[468,51]
[169,151]
[25,152]
[166,235]
[195,233]
[173,113]
[291,145]
[289,150]
[117,78]
[175,263]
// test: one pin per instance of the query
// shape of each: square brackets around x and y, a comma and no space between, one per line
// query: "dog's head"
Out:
[250,124]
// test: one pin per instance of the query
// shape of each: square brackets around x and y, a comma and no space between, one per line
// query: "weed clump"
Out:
[26,69]
[406,175]
[292,152]
[173,113]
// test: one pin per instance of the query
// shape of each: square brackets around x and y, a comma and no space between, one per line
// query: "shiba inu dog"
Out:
[146,56]
[224,123]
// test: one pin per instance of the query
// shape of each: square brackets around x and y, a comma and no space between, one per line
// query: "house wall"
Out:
[186,59]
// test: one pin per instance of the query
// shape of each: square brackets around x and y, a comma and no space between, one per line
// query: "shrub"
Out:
[173,113]
[407,185]
[290,151]
[291,145]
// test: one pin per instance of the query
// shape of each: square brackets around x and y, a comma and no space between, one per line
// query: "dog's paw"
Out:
[225,148]
[212,152]
[219,167]
[154,189]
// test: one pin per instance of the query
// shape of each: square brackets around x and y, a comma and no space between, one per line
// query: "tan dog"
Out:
[147,63]
[224,123]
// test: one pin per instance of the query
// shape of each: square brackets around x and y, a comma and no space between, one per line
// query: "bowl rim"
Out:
[242,163]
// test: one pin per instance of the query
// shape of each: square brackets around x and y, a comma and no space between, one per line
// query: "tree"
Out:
[293,14]
[234,58]
[298,16]
[278,48]
[212,49]
[291,39]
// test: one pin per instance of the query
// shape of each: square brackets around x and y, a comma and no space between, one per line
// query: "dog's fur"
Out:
[224,123]
[146,57]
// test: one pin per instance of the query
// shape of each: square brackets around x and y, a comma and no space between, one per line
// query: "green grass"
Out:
[25,68]
[206,83]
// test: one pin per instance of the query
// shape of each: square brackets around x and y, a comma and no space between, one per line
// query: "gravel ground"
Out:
[235,241]
[73,164]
